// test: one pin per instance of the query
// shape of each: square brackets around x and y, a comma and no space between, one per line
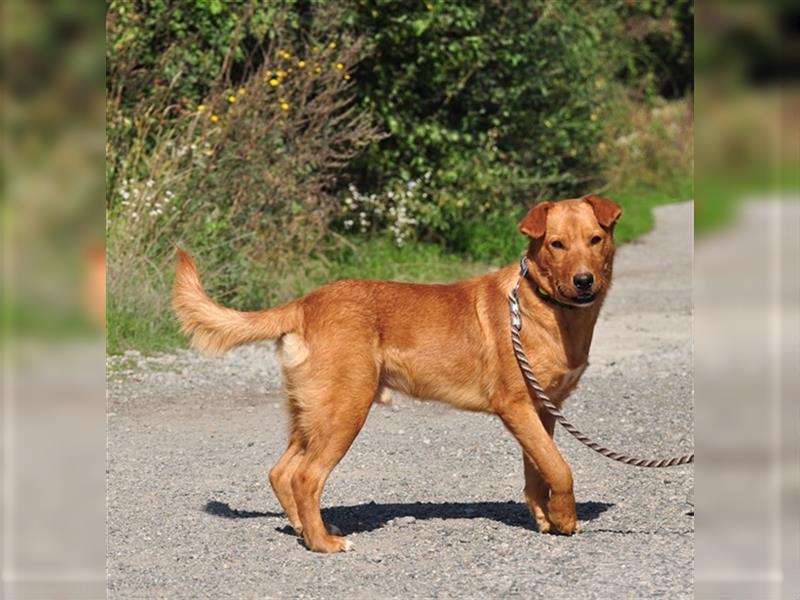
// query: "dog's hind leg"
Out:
[330,432]
[280,477]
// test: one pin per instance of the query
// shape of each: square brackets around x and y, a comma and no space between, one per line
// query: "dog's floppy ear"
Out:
[606,211]
[533,225]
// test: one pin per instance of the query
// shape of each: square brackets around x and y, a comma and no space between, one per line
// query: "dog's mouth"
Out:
[583,299]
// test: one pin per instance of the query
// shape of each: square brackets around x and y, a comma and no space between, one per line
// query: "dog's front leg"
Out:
[536,491]
[546,461]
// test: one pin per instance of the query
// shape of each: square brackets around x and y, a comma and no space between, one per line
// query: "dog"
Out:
[343,345]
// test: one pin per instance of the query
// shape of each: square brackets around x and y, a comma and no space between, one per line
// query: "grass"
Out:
[638,204]
[126,330]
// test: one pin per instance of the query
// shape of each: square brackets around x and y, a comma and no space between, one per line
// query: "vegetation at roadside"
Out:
[292,143]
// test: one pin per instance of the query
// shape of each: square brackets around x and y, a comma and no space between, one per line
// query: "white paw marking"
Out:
[348,545]
[544,526]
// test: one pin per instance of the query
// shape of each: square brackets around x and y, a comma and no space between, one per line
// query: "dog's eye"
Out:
[557,244]
[596,240]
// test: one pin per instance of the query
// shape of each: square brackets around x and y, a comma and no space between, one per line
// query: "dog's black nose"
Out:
[583,282]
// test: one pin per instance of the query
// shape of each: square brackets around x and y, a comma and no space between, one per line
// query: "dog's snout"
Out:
[583,282]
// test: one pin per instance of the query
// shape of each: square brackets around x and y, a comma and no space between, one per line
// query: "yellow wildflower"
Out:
[284,105]
[214,118]
[301,64]
[315,50]
[317,69]
[347,77]
[429,6]
[280,73]
[285,54]
[593,116]
[332,45]
[274,82]
[241,91]
[201,108]
[231,98]
[268,74]
[289,70]
[339,66]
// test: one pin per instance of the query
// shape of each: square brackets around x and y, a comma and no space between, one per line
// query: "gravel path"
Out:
[430,497]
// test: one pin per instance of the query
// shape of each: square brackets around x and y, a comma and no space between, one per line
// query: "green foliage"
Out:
[661,34]
[498,105]
[499,101]
[178,51]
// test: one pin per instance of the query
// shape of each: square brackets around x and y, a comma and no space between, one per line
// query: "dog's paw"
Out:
[542,524]
[568,527]
[562,515]
[329,544]
[565,526]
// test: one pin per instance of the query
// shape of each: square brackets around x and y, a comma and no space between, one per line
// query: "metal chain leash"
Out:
[516,326]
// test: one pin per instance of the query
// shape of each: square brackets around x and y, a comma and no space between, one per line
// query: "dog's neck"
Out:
[570,326]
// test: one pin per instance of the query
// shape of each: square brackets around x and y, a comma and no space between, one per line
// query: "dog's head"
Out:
[571,247]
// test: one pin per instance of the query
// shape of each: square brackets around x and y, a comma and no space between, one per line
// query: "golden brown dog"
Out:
[345,343]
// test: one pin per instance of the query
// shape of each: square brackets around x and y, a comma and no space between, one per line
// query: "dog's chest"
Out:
[564,381]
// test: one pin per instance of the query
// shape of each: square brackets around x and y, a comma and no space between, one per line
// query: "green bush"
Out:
[497,105]
[177,52]
[502,103]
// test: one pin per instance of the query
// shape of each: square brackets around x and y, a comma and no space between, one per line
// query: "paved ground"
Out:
[430,497]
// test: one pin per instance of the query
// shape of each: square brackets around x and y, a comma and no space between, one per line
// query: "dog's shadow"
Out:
[370,516]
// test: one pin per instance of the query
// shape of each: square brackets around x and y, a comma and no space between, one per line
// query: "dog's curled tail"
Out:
[216,329]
